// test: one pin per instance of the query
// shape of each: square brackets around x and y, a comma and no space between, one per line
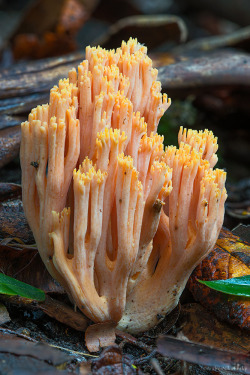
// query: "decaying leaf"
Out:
[27,356]
[100,335]
[111,361]
[151,30]
[203,355]
[4,315]
[53,308]
[12,219]
[197,324]
[229,258]
[25,265]
[10,139]
[48,29]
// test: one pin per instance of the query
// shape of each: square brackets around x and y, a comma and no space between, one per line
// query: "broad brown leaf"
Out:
[197,324]
[229,258]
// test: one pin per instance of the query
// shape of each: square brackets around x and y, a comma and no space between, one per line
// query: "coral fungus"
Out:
[118,220]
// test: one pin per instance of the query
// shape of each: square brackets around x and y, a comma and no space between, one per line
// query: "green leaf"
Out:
[13,287]
[237,286]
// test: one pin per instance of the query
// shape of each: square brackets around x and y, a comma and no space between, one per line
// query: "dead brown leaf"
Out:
[111,361]
[30,357]
[229,258]
[10,139]
[48,29]
[100,335]
[4,315]
[51,307]
[152,30]
[12,219]
[203,355]
[198,325]
[19,257]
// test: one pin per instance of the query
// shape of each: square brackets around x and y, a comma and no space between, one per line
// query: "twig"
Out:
[54,308]
[142,360]
[6,330]
[156,366]
[132,340]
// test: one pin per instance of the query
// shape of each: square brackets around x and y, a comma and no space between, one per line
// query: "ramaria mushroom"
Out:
[118,221]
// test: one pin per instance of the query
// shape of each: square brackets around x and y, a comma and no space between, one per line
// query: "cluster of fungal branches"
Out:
[118,220]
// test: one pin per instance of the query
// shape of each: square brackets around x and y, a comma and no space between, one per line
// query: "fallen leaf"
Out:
[10,139]
[100,335]
[151,30]
[17,353]
[53,308]
[19,257]
[237,286]
[48,28]
[111,361]
[203,355]
[199,325]
[166,324]
[13,222]
[4,315]
[13,287]
[26,265]
[230,258]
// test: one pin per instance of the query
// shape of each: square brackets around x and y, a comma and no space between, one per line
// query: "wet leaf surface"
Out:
[13,287]
[203,355]
[237,286]
[229,258]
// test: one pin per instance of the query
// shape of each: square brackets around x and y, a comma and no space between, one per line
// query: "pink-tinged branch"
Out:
[118,221]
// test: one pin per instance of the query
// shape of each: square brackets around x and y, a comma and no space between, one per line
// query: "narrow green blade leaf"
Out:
[237,286]
[13,287]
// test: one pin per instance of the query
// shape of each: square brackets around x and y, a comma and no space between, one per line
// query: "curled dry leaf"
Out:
[229,258]
[100,335]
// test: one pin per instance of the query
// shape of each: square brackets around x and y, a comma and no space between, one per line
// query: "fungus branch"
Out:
[119,221]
